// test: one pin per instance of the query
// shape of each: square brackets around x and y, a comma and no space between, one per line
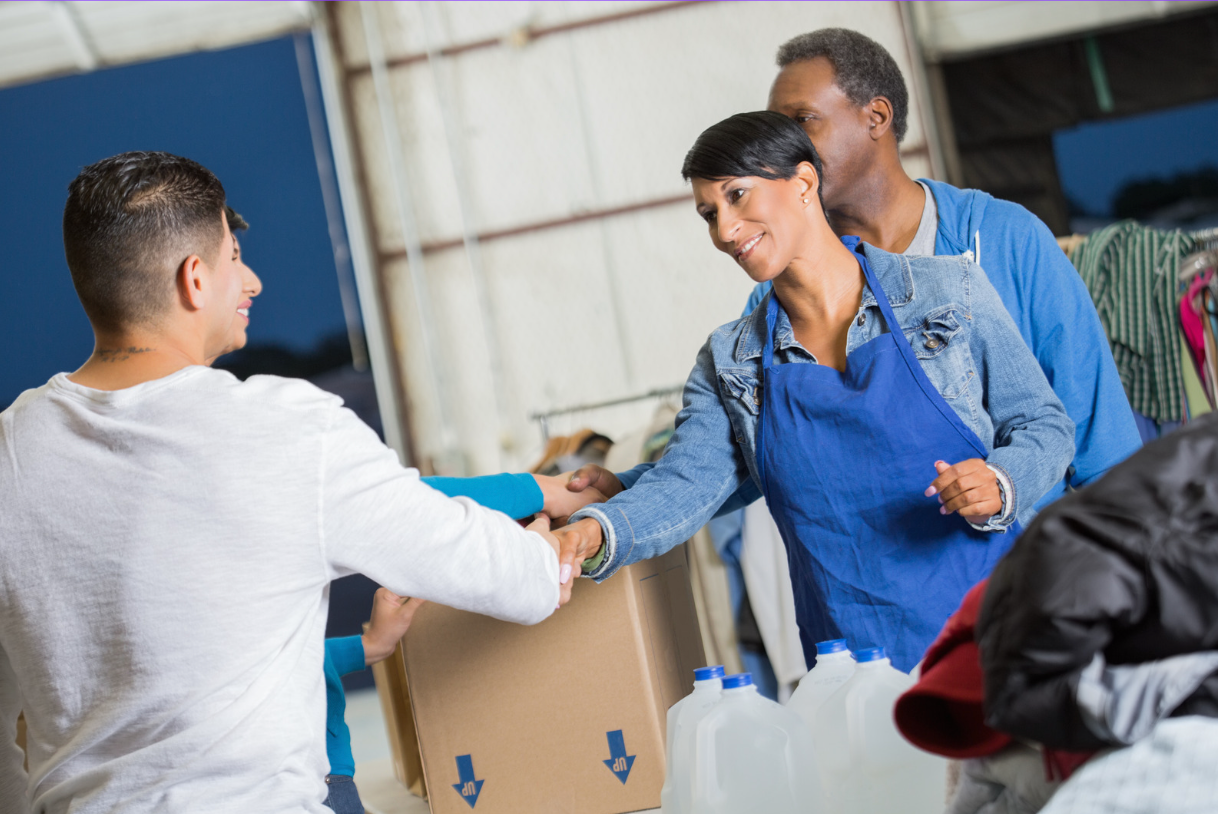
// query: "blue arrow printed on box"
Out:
[468,788]
[619,762]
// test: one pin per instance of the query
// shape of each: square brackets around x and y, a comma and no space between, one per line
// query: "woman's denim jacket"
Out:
[967,344]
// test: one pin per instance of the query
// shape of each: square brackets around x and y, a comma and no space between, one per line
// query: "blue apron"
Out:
[845,459]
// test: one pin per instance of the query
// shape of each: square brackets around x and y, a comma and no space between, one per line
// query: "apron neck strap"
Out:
[772,305]
[771,319]
[853,244]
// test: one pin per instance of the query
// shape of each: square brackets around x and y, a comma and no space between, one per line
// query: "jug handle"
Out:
[704,764]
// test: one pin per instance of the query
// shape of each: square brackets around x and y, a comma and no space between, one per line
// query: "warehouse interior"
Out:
[478,235]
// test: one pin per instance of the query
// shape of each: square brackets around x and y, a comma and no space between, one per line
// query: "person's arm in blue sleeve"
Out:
[701,468]
[346,654]
[631,476]
[1033,436]
[748,493]
[1071,346]
[516,495]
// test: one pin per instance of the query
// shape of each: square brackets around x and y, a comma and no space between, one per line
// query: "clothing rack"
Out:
[1207,236]
[543,418]
[1206,255]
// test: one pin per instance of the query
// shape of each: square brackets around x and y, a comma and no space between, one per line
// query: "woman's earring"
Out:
[805,200]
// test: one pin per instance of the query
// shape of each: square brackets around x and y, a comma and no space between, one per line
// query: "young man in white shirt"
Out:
[168,532]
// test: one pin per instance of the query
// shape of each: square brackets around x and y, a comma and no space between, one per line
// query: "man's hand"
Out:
[591,476]
[561,501]
[391,618]
[577,542]
[968,488]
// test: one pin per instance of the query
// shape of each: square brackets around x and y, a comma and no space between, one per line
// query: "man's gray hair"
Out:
[863,69]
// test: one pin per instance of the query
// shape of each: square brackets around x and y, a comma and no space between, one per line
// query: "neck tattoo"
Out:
[119,354]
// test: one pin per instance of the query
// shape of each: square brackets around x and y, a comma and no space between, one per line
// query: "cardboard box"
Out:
[564,717]
[391,688]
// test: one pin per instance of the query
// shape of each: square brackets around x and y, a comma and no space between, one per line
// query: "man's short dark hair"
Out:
[129,223]
[863,69]
[236,223]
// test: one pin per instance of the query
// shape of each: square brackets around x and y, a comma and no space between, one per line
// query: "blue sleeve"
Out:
[1033,439]
[346,654]
[702,466]
[747,494]
[1058,320]
[755,298]
[631,476]
[516,496]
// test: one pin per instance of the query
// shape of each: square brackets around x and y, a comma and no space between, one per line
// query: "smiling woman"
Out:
[885,405]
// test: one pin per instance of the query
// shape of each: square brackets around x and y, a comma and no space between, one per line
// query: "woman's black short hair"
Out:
[762,144]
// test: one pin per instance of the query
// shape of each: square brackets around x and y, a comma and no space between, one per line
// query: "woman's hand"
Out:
[968,488]
[577,542]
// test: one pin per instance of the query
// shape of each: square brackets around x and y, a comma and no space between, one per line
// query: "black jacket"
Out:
[1126,568]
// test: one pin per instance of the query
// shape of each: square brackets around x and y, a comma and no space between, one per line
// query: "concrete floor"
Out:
[378,788]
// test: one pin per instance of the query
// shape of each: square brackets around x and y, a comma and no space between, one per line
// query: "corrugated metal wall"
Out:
[535,244]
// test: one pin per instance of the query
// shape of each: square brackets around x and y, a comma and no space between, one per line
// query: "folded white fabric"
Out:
[1171,771]
[1009,782]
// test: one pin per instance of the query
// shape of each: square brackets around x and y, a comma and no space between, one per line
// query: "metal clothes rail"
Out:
[543,418]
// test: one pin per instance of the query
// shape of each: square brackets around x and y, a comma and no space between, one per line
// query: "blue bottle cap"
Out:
[870,654]
[831,646]
[707,673]
[738,680]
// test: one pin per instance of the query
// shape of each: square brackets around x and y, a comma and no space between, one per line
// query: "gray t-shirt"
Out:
[923,242]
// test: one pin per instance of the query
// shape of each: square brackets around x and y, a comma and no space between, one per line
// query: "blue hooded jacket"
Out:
[1054,313]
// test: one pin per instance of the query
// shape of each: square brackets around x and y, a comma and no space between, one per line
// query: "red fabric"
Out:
[1190,318]
[1060,765]
[943,713]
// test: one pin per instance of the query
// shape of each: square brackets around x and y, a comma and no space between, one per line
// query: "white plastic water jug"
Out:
[753,756]
[677,795]
[834,666]
[867,766]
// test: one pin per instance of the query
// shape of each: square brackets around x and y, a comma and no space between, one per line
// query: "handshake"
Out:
[564,495]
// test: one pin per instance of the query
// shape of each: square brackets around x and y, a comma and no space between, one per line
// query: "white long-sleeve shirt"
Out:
[165,556]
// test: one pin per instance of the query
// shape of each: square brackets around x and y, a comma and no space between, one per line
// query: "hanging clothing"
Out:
[767,574]
[876,562]
[565,453]
[1190,317]
[1196,395]
[1132,272]
[1209,327]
